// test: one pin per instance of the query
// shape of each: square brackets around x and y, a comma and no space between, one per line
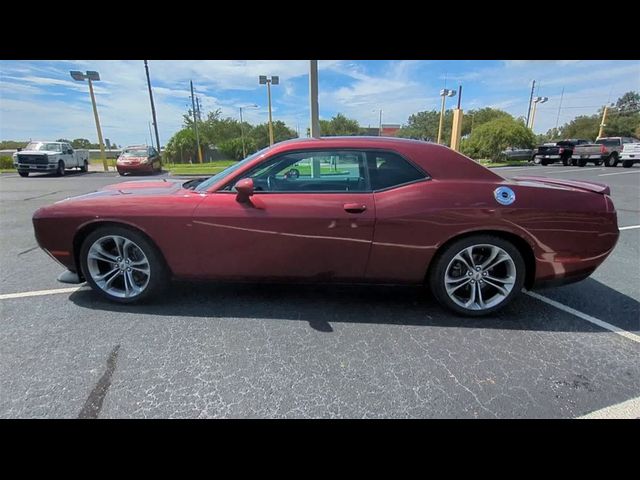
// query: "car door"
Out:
[311,217]
[69,158]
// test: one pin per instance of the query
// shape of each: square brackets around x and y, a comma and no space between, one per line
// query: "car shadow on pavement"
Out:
[321,305]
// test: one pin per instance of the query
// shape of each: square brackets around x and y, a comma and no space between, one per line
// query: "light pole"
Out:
[444,93]
[536,101]
[92,76]
[380,125]
[314,111]
[244,150]
[263,79]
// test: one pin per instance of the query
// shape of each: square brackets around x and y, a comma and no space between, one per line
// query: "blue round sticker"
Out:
[504,195]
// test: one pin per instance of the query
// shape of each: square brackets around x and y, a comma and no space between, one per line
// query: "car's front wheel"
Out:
[122,265]
[60,169]
[477,275]
[23,173]
[627,163]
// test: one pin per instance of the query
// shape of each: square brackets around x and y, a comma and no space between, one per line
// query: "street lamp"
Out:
[536,101]
[244,151]
[444,93]
[92,76]
[263,79]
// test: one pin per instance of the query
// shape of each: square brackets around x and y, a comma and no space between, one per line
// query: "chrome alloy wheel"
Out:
[480,277]
[118,266]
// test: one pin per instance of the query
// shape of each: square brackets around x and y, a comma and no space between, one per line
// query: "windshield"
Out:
[51,147]
[135,153]
[227,171]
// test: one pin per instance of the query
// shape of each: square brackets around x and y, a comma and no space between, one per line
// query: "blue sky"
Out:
[39,100]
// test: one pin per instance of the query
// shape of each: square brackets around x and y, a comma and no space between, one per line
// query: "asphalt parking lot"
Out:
[246,351]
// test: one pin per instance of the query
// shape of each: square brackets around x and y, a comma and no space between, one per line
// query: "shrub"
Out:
[6,162]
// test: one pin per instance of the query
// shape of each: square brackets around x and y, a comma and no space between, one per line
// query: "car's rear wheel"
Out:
[582,162]
[536,160]
[627,163]
[477,275]
[597,163]
[23,173]
[122,265]
[85,167]
[544,163]
[566,161]
[574,162]
[60,169]
[611,160]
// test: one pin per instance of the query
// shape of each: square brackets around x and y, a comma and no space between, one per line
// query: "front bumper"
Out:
[35,167]
[134,168]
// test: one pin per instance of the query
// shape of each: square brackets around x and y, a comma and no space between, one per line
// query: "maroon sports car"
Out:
[340,209]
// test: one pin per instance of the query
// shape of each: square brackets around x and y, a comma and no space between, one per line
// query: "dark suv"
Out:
[559,152]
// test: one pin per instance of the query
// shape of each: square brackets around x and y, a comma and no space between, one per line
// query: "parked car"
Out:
[337,209]
[518,154]
[138,159]
[604,150]
[630,153]
[49,157]
[557,152]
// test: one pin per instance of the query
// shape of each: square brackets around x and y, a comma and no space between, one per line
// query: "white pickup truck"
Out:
[49,157]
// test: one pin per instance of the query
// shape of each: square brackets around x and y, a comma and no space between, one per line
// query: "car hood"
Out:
[135,188]
[595,187]
[37,152]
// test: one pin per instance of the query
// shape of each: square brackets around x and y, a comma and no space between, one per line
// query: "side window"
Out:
[312,171]
[388,169]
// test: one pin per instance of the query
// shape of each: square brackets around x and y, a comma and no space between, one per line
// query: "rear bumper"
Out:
[548,157]
[594,156]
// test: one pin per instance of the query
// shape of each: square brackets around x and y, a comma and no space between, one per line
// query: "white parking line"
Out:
[618,173]
[625,410]
[584,316]
[631,227]
[37,293]
[573,170]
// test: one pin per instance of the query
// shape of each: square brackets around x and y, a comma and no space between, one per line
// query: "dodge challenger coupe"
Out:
[337,209]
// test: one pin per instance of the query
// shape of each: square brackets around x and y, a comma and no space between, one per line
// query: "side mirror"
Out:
[244,188]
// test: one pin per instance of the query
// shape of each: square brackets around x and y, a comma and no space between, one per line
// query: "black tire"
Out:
[574,162]
[85,167]
[611,160]
[536,160]
[437,272]
[566,161]
[582,162]
[159,272]
[544,163]
[23,173]
[597,163]
[60,169]
[627,163]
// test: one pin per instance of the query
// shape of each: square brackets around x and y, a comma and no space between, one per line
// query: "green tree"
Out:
[339,125]
[630,101]
[424,125]
[181,147]
[491,138]
[81,143]
[260,134]
[12,144]
[233,148]
[583,126]
[475,118]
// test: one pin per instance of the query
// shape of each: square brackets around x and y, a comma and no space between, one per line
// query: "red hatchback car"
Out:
[138,159]
[341,209]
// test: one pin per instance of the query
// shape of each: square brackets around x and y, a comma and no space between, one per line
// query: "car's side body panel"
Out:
[570,227]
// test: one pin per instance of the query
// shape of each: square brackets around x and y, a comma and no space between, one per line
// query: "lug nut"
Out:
[472,282]
[478,268]
[484,274]
[129,269]
[469,274]
[119,259]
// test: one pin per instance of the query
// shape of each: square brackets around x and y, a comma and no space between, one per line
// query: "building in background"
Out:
[390,129]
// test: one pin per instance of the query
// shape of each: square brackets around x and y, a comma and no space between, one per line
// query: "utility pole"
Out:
[313,99]
[533,86]
[380,125]
[603,124]
[95,114]
[559,107]
[153,108]
[195,122]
